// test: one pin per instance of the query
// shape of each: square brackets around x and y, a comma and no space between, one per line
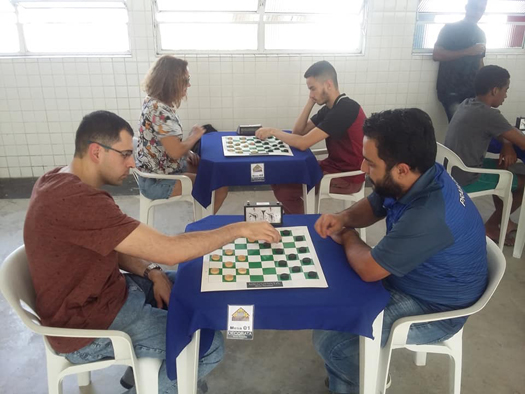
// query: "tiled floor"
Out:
[284,362]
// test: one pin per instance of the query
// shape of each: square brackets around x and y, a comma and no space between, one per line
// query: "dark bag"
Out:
[197,147]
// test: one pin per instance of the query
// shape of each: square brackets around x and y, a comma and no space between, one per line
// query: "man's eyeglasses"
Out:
[124,153]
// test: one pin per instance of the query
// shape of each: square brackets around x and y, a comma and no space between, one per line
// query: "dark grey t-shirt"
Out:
[456,77]
[469,133]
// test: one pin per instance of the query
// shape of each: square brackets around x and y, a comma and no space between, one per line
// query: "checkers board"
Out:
[243,265]
[253,146]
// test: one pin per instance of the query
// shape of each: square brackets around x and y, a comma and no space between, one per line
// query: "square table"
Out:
[348,304]
[216,171]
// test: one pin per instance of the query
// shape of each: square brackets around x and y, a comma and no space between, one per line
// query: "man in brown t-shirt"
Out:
[77,240]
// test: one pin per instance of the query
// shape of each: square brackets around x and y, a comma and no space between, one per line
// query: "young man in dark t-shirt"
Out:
[77,240]
[460,49]
[339,122]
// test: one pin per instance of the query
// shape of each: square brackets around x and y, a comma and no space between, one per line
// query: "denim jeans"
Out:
[340,350]
[451,103]
[146,325]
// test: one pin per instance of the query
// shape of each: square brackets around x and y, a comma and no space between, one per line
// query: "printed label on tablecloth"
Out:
[240,322]
[257,172]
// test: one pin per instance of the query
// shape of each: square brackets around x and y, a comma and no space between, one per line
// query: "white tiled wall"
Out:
[43,100]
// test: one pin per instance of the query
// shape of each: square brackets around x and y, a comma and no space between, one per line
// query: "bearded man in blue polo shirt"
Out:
[433,257]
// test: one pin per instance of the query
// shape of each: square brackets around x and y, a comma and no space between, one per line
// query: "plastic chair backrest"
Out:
[448,158]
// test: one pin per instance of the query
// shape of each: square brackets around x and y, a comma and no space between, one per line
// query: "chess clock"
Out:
[264,211]
[248,129]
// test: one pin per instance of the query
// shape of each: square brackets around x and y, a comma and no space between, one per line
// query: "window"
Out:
[48,28]
[503,23]
[260,26]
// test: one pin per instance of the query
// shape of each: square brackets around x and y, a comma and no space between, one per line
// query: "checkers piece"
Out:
[282,263]
[229,252]
[307,260]
[214,271]
[302,249]
[241,271]
[312,274]
[299,238]
[228,278]
[228,264]
[292,256]
[215,257]
[285,276]
[286,233]
[267,245]
[296,269]
[279,251]
[241,257]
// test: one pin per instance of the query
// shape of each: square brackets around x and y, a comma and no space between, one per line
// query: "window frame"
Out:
[492,51]
[261,50]
[24,53]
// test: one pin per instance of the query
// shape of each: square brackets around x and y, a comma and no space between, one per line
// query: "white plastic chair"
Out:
[348,199]
[146,204]
[450,159]
[17,287]
[453,347]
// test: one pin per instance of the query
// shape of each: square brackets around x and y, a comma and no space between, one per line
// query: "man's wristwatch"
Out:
[151,267]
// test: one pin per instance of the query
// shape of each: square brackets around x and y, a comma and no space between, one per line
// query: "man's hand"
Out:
[193,159]
[161,287]
[477,49]
[259,231]
[264,132]
[328,224]
[507,156]
[197,131]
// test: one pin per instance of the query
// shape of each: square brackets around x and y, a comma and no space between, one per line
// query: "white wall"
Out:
[43,100]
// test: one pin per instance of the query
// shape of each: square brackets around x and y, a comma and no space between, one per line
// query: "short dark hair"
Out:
[322,69]
[490,77]
[403,136]
[99,126]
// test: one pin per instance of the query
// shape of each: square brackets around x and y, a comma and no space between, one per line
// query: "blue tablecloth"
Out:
[348,304]
[216,171]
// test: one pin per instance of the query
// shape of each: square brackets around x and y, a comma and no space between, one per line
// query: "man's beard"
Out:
[387,187]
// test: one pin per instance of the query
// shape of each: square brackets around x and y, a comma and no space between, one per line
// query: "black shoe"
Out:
[202,387]
[128,380]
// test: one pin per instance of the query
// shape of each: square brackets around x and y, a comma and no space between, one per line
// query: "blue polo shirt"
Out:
[435,245]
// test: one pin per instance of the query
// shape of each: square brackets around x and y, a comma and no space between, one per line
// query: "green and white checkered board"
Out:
[253,146]
[290,263]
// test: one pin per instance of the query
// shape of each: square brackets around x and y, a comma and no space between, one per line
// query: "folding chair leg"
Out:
[420,359]
[84,378]
[455,373]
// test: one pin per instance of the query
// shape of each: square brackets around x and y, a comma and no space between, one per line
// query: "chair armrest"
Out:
[400,328]
[342,174]
[318,152]
[187,184]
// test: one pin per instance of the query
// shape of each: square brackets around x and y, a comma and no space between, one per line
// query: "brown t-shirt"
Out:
[70,233]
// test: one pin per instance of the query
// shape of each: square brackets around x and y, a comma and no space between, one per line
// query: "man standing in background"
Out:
[460,49]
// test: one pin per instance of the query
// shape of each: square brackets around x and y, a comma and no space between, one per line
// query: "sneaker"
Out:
[128,380]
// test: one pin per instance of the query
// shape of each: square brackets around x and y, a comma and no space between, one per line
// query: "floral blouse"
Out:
[156,122]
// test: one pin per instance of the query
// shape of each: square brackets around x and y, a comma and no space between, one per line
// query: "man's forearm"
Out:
[300,124]
[359,215]
[132,264]
[357,252]
[445,55]
[295,140]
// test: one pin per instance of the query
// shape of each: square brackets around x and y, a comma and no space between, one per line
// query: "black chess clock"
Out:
[264,211]
[248,129]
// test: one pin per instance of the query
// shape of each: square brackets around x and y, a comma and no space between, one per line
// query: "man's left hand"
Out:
[161,287]
[193,158]
[507,156]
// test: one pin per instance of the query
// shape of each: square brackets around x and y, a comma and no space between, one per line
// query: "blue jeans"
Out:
[451,103]
[340,350]
[146,325]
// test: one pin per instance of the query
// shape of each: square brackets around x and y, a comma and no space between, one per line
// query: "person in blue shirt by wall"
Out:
[433,256]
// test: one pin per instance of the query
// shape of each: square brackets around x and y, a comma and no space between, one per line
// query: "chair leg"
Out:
[455,373]
[420,359]
[84,378]
[148,375]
